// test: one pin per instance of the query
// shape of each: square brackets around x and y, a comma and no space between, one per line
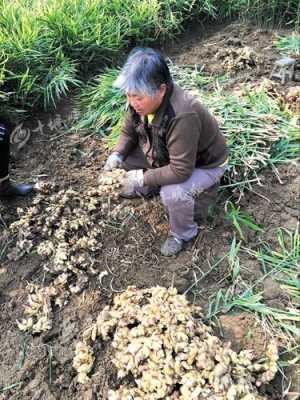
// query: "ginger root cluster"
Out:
[160,340]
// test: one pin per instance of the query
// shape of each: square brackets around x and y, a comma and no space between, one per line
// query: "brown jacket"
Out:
[183,135]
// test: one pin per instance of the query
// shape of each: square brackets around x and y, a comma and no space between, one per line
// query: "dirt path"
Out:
[40,366]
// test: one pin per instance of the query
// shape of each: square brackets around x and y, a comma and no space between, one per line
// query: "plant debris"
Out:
[293,100]
[153,212]
[38,308]
[160,340]
[236,59]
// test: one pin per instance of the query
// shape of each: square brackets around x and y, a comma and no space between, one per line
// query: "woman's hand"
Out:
[114,161]
[133,180]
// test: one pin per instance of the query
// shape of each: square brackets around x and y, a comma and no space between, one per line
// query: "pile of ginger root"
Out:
[163,348]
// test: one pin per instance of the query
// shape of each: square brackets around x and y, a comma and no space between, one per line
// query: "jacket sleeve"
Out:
[128,137]
[182,141]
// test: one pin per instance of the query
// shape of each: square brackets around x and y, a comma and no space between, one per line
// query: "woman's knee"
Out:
[174,194]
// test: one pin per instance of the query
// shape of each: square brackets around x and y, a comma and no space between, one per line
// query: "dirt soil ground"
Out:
[39,367]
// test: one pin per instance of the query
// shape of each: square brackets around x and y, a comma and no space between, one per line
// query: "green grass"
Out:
[34,71]
[254,125]
[289,45]
[10,387]
[286,256]
[240,219]
[263,12]
[100,106]
[48,47]
[282,263]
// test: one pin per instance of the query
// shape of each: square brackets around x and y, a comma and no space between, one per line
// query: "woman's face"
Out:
[144,104]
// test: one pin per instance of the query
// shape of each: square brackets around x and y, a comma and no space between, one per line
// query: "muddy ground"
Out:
[39,367]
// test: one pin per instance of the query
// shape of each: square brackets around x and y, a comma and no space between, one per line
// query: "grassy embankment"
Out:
[48,47]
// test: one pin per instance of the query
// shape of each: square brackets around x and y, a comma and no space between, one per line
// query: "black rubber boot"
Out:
[4,150]
[9,189]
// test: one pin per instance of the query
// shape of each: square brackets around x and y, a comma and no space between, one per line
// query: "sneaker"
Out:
[171,247]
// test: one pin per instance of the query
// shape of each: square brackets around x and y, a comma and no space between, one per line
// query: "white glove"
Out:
[133,180]
[114,161]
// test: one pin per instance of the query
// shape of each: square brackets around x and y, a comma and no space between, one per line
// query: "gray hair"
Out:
[143,73]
